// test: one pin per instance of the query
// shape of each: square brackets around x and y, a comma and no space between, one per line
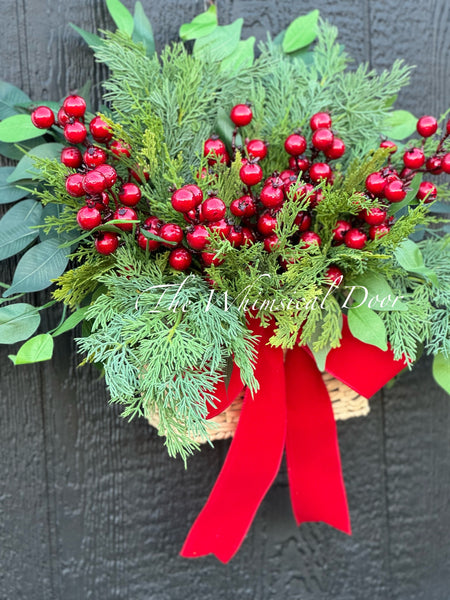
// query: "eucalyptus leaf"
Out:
[36,349]
[441,371]
[15,227]
[91,39]
[242,57]
[26,169]
[9,193]
[71,321]
[410,197]
[17,322]
[220,43]
[399,125]
[37,267]
[17,129]
[200,26]
[377,289]
[143,31]
[224,129]
[409,256]
[367,326]
[10,97]
[301,32]
[121,16]
[13,152]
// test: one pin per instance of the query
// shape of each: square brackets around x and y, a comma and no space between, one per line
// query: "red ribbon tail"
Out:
[250,467]
[312,451]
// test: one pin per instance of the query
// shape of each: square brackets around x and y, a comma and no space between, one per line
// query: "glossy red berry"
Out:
[221,227]
[183,200]
[94,183]
[267,223]
[427,192]
[61,118]
[295,144]
[109,173]
[427,126]
[374,216]
[107,242]
[336,150]
[139,174]
[322,139]
[196,192]
[334,275]
[445,163]
[339,231]
[42,117]
[94,156]
[235,236]
[120,148]
[171,233]
[214,148]
[75,133]
[243,207]
[241,115]
[71,157]
[210,258]
[74,106]
[257,149]
[100,130]
[375,184]
[310,238]
[271,196]
[125,214]
[103,202]
[377,231]
[197,237]
[387,144]
[447,127]
[355,238]
[319,171]
[153,224]
[394,191]
[129,194]
[180,259]
[303,221]
[251,174]
[433,165]
[88,218]
[271,242]
[414,158]
[320,120]
[248,237]
[74,185]
[147,243]
[213,209]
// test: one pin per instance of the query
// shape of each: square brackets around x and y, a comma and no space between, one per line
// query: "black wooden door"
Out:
[92,507]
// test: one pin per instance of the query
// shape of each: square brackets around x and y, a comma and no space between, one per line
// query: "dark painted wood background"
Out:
[93,508]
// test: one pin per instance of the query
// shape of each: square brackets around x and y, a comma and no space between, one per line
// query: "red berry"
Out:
[109,173]
[270,242]
[243,207]
[180,259]
[375,184]
[447,127]
[241,115]
[94,156]
[334,275]
[103,202]
[394,191]
[339,231]
[304,191]
[427,192]
[336,150]
[445,163]
[74,185]
[374,216]
[295,144]
[248,237]
[301,164]
[75,133]
[322,139]
[377,231]
[146,243]
[172,233]
[427,126]
[320,120]
[257,149]
[74,106]
[107,243]
[213,209]
[388,144]
[197,237]
[271,196]
[303,221]
[221,227]
[42,117]
[120,148]
[318,171]
[62,118]
[125,214]
[235,236]
[210,258]
[251,174]
[71,157]
[316,198]
[88,218]
[140,175]
[414,158]
[287,174]
[129,194]
[100,130]
[213,148]
[267,223]
[94,183]
[183,200]
[196,192]
[355,238]
[153,224]
[309,238]
[433,165]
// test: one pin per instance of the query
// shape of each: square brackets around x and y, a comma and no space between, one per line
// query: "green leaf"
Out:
[37,267]
[200,26]
[91,39]
[378,290]
[10,97]
[17,322]
[410,257]
[220,43]
[441,371]
[36,349]
[242,57]
[72,321]
[390,101]
[15,232]
[410,196]
[224,128]
[399,125]
[143,31]
[26,169]
[301,32]
[9,193]
[367,326]
[121,16]
[17,129]
[14,153]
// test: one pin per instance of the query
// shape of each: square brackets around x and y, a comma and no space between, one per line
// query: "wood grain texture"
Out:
[92,507]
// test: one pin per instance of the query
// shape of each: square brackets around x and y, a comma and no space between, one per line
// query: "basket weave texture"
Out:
[346,404]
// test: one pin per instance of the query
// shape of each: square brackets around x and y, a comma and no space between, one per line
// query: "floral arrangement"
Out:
[223,221]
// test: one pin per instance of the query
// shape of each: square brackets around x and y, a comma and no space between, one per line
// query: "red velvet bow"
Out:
[292,408]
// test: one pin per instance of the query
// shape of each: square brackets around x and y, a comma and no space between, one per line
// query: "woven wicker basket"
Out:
[346,404]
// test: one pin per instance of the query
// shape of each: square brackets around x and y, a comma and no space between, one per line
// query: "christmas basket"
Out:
[251,241]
